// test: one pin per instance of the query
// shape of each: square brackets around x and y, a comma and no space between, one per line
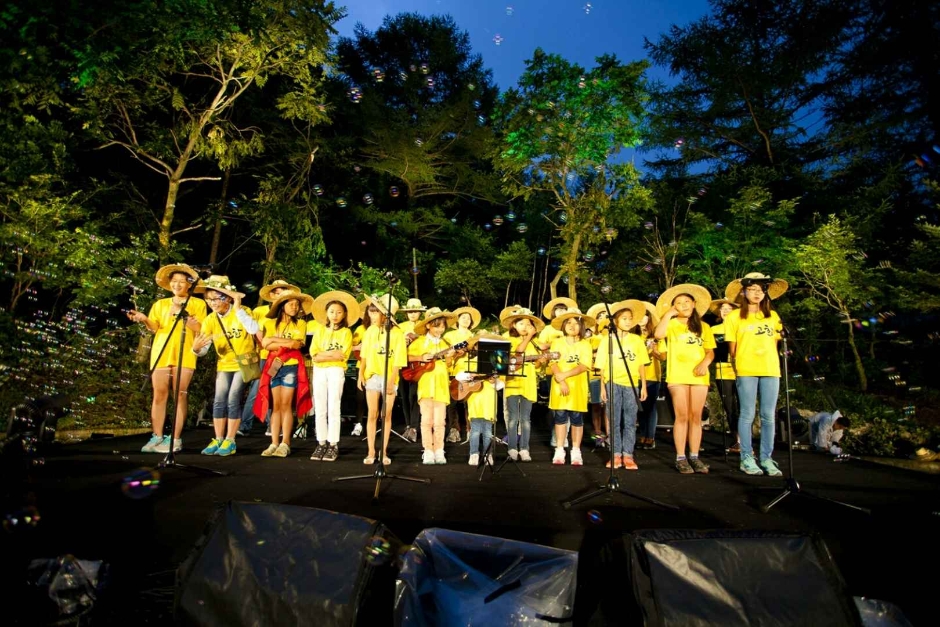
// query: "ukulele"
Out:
[460,390]
[413,371]
[516,363]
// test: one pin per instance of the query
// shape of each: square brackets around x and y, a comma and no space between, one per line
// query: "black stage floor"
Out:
[891,554]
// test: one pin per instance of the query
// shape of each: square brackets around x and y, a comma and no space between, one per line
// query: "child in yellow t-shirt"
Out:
[568,397]
[433,387]
[521,392]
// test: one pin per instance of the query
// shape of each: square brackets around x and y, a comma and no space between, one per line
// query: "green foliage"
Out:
[464,277]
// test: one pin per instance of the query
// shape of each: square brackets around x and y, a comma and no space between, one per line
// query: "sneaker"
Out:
[684,467]
[698,465]
[318,452]
[474,459]
[513,454]
[267,432]
[226,448]
[282,450]
[524,455]
[576,459]
[164,446]
[268,452]
[559,458]
[650,445]
[749,466]
[243,433]
[357,430]
[453,436]
[629,463]
[332,452]
[617,461]
[490,460]
[213,447]
[439,457]
[770,467]
[151,445]
[411,434]
[428,457]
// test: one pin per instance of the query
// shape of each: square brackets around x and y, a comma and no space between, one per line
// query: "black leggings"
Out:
[728,392]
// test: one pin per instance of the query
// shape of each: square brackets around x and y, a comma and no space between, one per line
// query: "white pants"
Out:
[327,393]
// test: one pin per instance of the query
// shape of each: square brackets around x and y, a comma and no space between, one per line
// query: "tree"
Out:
[467,277]
[513,264]
[835,278]
[558,129]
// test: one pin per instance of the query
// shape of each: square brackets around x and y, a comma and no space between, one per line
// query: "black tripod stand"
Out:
[790,484]
[379,473]
[613,484]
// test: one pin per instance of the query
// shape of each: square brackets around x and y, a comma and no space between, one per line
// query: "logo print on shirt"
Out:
[571,359]
[694,340]
[764,329]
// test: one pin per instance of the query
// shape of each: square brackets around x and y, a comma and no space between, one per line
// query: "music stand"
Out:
[721,361]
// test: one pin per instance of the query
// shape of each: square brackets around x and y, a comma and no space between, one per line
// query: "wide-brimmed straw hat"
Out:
[561,300]
[306,302]
[432,314]
[475,316]
[718,302]
[381,303]
[636,307]
[265,292]
[321,302]
[599,308]
[699,294]
[164,274]
[521,313]
[413,305]
[774,287]
[651,312]
[573,312]
[506,311]
[220,283]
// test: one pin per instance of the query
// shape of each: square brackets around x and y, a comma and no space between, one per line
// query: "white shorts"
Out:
[374,384]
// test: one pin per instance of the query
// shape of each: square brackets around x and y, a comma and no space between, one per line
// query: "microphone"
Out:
[390,277]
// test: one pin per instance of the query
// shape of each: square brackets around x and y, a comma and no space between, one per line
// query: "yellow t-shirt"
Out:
[242,342]
[755,340]
[456,336]
[654,371]
[160,313]
[569,356]
[326,340]
[527,385]
[482,403]
[287,330]
[685,351]
[372,354]
[548,335]
[259,313]
[634,349]
[433,384]
[723,369]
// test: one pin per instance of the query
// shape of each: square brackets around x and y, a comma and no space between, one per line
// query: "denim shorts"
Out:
[286,377]
[562,416]
[374,384]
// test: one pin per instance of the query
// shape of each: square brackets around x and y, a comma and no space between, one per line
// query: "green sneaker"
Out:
[226,448]
[770,467]
[750,467]
[213,447]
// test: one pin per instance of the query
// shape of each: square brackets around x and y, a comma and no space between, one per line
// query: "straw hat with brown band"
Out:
[573,312]
[636,307]
[306,302]
[413,305]
[774,287]
[506,311]
[549,307]
[432,314]
[265,292]
[164,274]
[475,316]
[220,283]
[716,304]
[321,302]
[699,294]
[381,303]
[521,313]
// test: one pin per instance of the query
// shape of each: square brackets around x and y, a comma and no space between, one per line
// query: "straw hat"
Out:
[636,307]
[508,311]
[774,287]
[381,303]
[265,292]
[306,302]
[521,313]
[550,306]
[573,312]
[698,293]
[475,316]
[651,312]
[599,308]
[718,302]
[321,302]
[412,306]
[220,283]
[432,314]
[164,274]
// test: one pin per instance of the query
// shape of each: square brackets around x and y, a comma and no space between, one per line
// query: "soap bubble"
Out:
[511,216]
[563,217]
[498,220]
[419,142]
[393,191]
[509,10]
[582,83]
[424,68]
[341,202]
[368,199]
[595,517]
[378,75]
[141,483]
[498,39]
[540,251]
[488,226]
[588,255]
[355,94]
[522,227]
[318,189]
[415,270]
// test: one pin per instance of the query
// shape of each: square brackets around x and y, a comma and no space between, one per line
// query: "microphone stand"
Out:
[790,485]
[613,484]
[379,473]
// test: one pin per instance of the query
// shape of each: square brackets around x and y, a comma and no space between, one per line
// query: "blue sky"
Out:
[560,26]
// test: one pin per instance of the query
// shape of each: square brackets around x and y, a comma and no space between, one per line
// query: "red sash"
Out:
[302,401]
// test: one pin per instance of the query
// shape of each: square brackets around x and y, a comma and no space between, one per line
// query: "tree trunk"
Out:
[572,264]
[169,210]
[553,286]
[535,265]
[863,380]
[269,262]
[506,299]
[217,234]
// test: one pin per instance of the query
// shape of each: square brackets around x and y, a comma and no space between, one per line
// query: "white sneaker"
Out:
[428,457]
[576,457]
[513,454]
[489,459]
[474,459]
[357,430]
[439,457]
[152,444]
[524,455]
[559,458]
[164,446]
[267,432]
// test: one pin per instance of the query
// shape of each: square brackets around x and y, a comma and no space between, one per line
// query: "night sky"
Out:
[564,27]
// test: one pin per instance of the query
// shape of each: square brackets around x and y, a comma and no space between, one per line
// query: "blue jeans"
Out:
[623,419]
[480,428]
[248,414]
[748,388]
[519,413]
[228,395]
[648,418]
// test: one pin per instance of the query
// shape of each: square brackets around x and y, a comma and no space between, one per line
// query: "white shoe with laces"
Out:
[559,458]
[474,459]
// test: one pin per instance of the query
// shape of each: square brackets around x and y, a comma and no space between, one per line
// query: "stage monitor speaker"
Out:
[687,577]
[455,578]
[665,419]
[270,564]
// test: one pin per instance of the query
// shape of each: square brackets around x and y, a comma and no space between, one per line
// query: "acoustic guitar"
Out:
[413,371]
